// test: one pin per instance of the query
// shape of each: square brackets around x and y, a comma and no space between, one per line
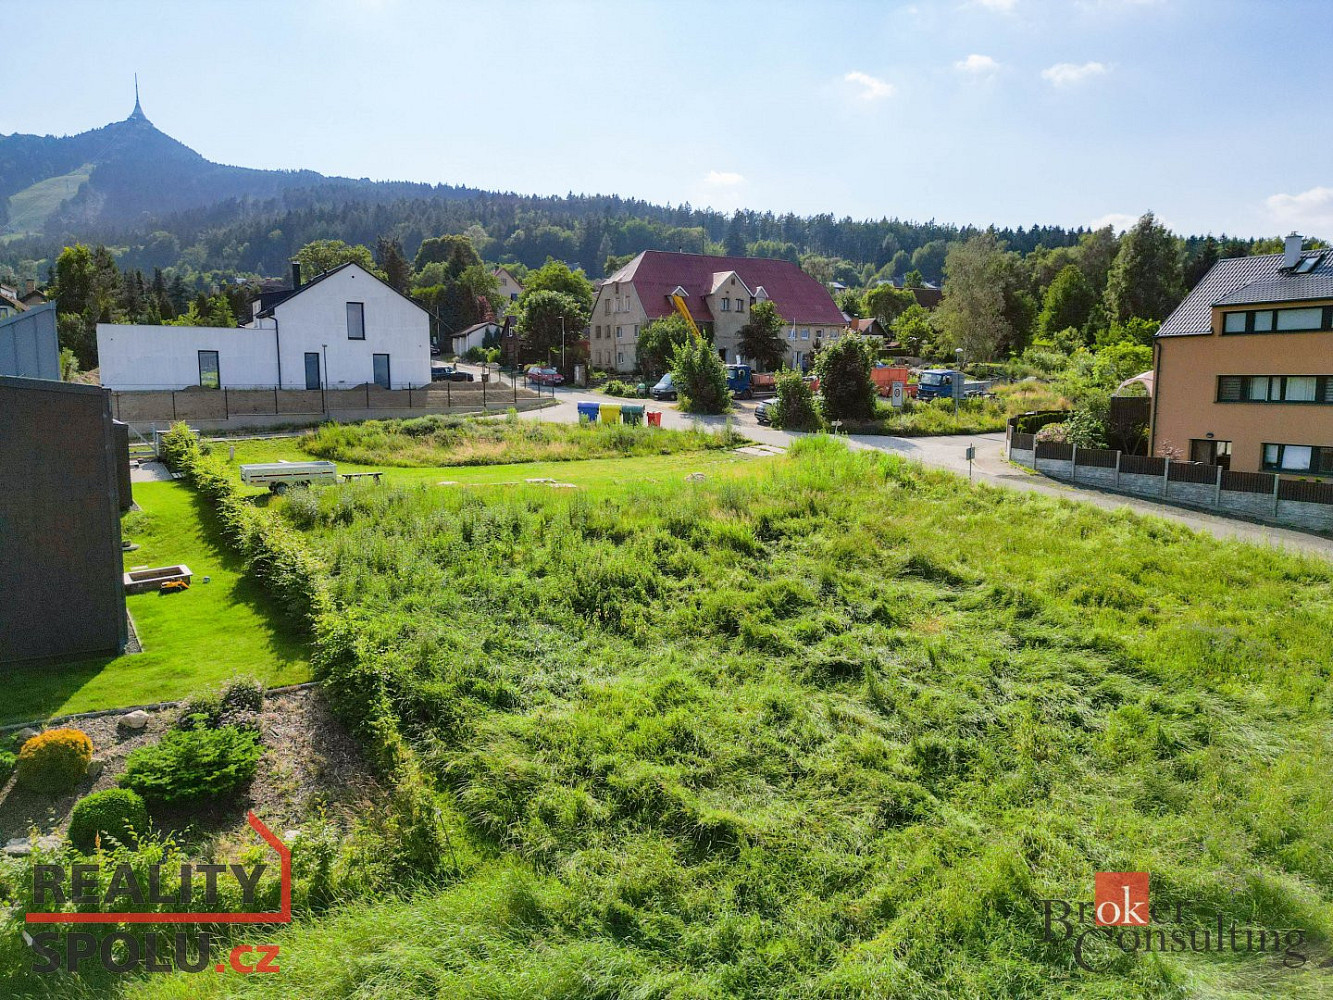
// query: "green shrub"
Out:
[200,711]
[7,762]
[794,408]
[55,761]
[115,811]
[244,694]
[618,388]
[846,389]
[192,765]
[176,445]
[700,378]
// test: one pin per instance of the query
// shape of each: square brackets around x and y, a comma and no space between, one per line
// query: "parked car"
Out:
[545,376]
[665,388]
[761,411]
[440,372]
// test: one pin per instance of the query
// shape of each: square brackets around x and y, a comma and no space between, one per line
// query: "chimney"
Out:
[296,275]
[1291,253]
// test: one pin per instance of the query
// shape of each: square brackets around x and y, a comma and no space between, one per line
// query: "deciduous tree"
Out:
[760,339]
[845,387]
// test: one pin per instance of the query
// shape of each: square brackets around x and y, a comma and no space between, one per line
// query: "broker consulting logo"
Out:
[1121,918]
[122,949]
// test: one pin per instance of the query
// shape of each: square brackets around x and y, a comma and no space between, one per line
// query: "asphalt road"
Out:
[949,453]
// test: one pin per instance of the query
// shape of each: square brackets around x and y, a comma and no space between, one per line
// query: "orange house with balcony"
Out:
[1243,369]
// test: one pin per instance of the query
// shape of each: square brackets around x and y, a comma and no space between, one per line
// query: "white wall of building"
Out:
[313,321]
[316,321]
[136,358]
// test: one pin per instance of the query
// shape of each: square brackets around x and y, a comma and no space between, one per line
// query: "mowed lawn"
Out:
[191,640]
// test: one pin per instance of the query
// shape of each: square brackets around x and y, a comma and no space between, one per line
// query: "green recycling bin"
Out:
[632,413]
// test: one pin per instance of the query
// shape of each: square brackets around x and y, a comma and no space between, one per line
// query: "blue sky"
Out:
[1208,112]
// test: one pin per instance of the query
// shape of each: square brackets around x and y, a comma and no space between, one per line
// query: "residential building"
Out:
[510,287]
[1243,369]
[718,292]
[476,335]
[11,302]
[342,329]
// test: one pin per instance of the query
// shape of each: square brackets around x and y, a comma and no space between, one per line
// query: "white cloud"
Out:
[1069,74]
[980,65]
[1312,209]
[723,178]
[872,88]
[1003,6]
[1119,221]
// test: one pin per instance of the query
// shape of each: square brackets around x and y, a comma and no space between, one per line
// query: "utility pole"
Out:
[562,345]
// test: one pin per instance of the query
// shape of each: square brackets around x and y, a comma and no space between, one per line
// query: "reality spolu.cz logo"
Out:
[124,950]
[1120,918]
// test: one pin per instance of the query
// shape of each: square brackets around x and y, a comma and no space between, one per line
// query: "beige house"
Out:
[718,292]
[510,288]
[1243,369]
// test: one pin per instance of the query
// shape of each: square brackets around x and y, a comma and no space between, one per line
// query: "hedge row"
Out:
[345,659]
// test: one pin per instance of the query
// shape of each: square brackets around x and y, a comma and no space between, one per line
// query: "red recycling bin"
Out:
[654,418]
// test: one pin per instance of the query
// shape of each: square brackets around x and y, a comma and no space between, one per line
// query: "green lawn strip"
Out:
[830,729]
[192,640]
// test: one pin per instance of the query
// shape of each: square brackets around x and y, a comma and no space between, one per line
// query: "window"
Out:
[607,311]
[1275,389]
[620,358]
[620,333]
[805,334]
[1282,320]
[513,296]
[1298,458]
[381,363]
[1211,452]
[726,305]
[740,305]
[1300,319]
[209,376]
[636,331]
[356,321]
[596,333]
[312,380]
[791,334]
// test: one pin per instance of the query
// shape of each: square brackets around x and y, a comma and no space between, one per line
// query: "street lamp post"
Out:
[562,345]
[958,373]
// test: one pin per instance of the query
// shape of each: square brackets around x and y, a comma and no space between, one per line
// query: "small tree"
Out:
[319,256]
[761,338]
[794,408]
[843,368]
[887,303]
[657,344]
[700,378]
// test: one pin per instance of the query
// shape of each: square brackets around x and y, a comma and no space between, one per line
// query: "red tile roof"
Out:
[798,297]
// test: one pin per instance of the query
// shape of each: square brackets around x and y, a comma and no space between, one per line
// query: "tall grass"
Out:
[447,440]
[829,731]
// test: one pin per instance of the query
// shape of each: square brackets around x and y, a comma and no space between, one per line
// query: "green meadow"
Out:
[832,728]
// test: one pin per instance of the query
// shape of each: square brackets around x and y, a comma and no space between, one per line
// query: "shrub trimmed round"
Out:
[117,812]
[55,761]
[189,765]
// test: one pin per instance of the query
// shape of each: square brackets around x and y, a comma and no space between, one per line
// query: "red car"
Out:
[545,376]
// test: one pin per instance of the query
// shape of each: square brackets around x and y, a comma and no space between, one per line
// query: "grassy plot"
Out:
[191,640]
[829,730]
[974,416]
[445,440]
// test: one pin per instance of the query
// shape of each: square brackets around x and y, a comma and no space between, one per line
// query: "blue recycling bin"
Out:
[588,412]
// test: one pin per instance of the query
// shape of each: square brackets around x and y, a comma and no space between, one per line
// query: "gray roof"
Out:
[1245,280]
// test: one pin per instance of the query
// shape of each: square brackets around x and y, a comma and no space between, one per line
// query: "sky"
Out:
[1210,113]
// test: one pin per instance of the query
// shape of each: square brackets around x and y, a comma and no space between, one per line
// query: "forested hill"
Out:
[161,204]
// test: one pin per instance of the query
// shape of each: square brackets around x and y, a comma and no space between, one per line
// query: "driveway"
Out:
[949,453]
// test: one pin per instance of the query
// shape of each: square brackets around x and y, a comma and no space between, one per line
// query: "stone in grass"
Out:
[23,735]
[95,769]
[21,847]
[695,477]
[133,720]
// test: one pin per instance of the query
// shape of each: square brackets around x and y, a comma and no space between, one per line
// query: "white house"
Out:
[344,328]
[475,336]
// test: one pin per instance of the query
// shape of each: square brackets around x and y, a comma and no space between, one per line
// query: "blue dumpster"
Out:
[631,413]
[588,412]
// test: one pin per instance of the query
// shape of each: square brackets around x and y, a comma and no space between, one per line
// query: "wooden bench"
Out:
[349,476]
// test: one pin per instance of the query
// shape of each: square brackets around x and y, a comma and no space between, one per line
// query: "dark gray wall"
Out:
[60,557]
[28,344]
[124,485]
